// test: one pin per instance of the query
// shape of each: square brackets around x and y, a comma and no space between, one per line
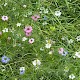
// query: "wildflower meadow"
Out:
[39,39]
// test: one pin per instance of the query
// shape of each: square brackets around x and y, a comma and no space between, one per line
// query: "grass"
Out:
[21,53]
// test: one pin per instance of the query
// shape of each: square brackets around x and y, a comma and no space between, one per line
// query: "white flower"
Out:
[44,23]
[72,76]
[30,13]
[24,6]
[22,68]
[77,54]
[42,8]
[41,49]
[48,45]
[5,4]
[5,30]
[50,52]
[31,40]
[36,62]
[24,39]
[57,13]
[45,11]
[18,24]
[70,41]
[78,38]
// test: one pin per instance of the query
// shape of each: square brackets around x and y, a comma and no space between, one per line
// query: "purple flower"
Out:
[5,59]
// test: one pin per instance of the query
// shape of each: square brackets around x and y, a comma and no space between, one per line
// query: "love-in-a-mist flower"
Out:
[28,29]
[36,62]
[78,38]
[4,18]
[70,41]
[28,34]
[50,52]
[5,30]
[24,39]
[62,52]
[48,45]
[31,40]
[24,6]
[77,54]
[22,70]
[57,13]
[0,33]
[5,4]
[35,17]
[5,59]
[71,76]
[18,24]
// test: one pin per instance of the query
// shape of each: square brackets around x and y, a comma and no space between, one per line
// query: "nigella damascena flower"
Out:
[57,13]
[28,29]
[31,40]
[22,70]
[62,52]
[36,62]
[35,17]
[5,59]
[72,76]
[4,18]
[0,33]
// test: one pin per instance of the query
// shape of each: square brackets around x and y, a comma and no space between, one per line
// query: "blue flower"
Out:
[44,18]
[5,59]
[22,70]
[65,53]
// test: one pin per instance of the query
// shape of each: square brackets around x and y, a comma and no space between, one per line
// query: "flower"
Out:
[62,52]
[22,70]
[5,59]
[4,18]
[35,17]
[24,39]
[50,52]
[78,38]
[44,23]
[57,13]
[77,54]
[28,29]
[44,18]
[0,33]
[36,62]
[28,34]
[5,4]
[31,40]
[41,49]
[18,24]
[24,6]
[72,76]
[48,45]
[46,11]
[5,30]
[70,41]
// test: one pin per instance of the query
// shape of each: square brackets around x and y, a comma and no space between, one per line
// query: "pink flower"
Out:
[0,33]
[28,29]
[28,34]
[31,40]
[4,18]
[35,17]
[61,50]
